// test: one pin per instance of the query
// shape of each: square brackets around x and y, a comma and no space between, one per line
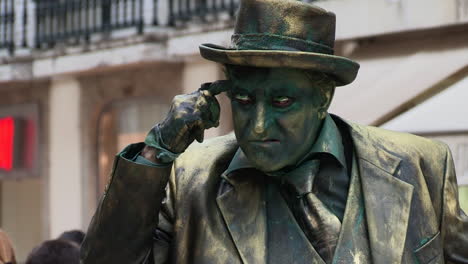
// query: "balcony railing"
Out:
[7,22]
[42,24]
[76,20]
[181,11]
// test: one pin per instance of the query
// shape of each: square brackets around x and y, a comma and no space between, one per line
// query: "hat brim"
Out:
[343,70]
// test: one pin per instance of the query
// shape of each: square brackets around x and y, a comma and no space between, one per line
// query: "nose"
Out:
[260,119]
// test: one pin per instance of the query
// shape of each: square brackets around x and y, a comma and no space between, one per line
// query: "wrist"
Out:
[151,154]
[156,149]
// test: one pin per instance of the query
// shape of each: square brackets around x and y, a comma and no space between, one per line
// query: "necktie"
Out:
[320,226]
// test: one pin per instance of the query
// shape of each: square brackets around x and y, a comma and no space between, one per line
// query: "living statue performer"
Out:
[293,184]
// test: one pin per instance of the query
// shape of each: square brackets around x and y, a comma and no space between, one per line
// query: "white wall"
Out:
[444,112]
[22,209]
[65,184]
[398,72]
[358,18]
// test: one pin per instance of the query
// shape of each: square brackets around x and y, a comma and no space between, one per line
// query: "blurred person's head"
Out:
[76,236]
[55,252]
[7,254]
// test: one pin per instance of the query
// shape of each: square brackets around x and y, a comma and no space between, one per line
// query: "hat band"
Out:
[276,42]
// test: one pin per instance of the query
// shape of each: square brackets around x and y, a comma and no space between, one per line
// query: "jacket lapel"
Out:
[353,243]
[387,199]
[243,209]
[287,242]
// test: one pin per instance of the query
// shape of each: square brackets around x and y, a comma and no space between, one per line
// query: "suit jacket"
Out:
[402,208]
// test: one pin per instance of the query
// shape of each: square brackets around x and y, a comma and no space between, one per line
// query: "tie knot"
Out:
[301,179]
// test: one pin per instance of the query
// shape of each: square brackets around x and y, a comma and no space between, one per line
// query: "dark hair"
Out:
[76,236]
[55,252]
[324,82]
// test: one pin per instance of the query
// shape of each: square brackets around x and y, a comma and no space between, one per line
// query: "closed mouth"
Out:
[264,141]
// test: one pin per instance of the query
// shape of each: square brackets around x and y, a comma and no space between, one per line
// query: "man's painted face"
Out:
[277,114]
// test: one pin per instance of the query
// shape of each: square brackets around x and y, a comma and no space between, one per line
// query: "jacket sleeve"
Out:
[125,226]
[454,221]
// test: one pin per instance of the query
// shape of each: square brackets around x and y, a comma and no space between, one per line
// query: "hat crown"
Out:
[300,23]
[284,33]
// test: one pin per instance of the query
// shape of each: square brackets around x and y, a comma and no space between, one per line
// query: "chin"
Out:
[264,159]
[267,166]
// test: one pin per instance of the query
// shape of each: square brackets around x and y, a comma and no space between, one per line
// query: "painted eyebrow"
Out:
[282,90]
[237,89]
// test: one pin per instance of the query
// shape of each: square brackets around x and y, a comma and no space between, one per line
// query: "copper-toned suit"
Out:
[402,208]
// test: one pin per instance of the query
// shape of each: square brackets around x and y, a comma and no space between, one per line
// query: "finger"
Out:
[181,139]
[214,88]
[209,111]
[198,131]
[214,113]
[199,134]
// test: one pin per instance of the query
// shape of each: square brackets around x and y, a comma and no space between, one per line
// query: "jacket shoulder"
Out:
[202,164]
[422,162]
[403,145]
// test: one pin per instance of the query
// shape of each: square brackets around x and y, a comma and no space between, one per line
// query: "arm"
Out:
[132,224]
[454,222]
[123,226]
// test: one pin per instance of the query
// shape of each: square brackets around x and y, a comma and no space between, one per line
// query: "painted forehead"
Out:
[249,77]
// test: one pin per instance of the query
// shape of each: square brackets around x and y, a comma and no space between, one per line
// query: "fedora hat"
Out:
[284,33]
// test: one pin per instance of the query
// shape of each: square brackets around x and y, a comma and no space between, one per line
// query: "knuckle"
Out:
[196,111]
[177,98]
[199,123]
[180,114]
[206,93]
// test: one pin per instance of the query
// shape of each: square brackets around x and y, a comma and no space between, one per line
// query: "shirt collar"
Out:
[329,141]
[239,161]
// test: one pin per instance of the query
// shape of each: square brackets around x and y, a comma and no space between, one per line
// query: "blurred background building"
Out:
[80,79]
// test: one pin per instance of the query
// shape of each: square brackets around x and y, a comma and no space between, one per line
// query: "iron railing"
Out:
[43,24]
[183,11]
[75,20]
[7,24]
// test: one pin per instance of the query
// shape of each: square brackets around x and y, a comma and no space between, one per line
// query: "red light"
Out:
[7,133]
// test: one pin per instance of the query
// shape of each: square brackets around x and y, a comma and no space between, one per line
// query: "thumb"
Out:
[199,134]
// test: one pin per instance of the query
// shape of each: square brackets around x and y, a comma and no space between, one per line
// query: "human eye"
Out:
[282,101]
[243,98]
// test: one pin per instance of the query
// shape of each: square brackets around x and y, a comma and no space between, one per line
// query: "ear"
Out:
[224,69]
[328,97]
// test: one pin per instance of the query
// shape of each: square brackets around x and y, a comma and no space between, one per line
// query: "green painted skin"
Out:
[277,114]
[189,116]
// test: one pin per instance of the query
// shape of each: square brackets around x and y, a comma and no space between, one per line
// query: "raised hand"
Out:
[188,117]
